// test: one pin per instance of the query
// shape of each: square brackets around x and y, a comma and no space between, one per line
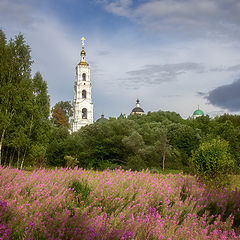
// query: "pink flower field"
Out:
[113,204]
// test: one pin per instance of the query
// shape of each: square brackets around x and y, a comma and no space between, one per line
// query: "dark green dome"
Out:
[102,119]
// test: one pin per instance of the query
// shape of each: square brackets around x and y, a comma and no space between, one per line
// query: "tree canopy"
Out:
[24,104]
[157,140]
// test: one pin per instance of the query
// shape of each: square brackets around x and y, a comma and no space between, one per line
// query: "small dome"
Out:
[83,52]
[102,119]
[137,109]
[198,113]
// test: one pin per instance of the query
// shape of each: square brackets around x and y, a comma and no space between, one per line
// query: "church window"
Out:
[84,76]
[84,94]
[84,113]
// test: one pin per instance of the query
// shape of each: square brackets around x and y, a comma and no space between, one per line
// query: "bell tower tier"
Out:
[82,102]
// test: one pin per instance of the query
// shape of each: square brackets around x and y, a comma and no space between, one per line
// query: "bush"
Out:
[212,161]
[136,163]
[81,189]
[71,162]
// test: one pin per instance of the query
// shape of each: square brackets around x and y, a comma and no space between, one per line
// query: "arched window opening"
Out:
[84,94]
[84,113]
[84,76]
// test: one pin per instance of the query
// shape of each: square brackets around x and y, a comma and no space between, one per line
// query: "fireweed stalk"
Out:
[113,204]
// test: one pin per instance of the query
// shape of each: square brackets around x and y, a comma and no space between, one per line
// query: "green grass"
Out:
[235,181]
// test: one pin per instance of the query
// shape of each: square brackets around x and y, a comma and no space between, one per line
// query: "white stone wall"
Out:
[79,102]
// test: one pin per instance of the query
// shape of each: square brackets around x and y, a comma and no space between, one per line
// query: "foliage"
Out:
[71,162]
[61,114]
[81,189]
[157,140]
[59,118]
[57,147]
[149,141]
[213,161]
[24,105]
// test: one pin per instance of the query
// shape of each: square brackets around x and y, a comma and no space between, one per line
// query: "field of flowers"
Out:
[113,204]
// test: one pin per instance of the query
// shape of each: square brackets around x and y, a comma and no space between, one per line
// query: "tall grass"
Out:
[113,204]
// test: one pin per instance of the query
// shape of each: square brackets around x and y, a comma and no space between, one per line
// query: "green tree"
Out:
[134,144]
[213,161]
[40,124]
[230,133]
[15,70]
[56,150]
[24,103]
[184,138]
[164,148]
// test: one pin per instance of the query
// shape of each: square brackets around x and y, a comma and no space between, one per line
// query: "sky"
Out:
[174,55]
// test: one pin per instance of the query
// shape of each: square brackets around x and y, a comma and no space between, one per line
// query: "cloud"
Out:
[120,69]
[184,17]
[103,53]
[226,96]
[119,7]
[157,74]
[14,12]
[202,94]
[226,69]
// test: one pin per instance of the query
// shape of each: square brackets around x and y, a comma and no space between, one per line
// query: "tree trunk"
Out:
[18,159]
[11,158]
[6,157]
[24,155]
[1,143]
[163,161]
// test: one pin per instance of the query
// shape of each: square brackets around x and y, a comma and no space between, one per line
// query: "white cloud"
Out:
[187,17]
[122,55]
[119,7]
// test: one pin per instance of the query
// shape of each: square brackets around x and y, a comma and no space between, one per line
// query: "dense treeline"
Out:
[156,140]
[30,137]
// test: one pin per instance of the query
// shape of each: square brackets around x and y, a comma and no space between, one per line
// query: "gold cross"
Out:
[83,39]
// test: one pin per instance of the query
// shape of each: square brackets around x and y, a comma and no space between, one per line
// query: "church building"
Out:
[82,103]
[137,110]
[197,113]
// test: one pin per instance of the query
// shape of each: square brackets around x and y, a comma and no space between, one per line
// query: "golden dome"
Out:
[83,63]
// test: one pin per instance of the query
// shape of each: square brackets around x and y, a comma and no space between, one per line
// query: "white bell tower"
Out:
[82,103]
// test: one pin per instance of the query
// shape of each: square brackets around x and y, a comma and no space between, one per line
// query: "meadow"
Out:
[113,204]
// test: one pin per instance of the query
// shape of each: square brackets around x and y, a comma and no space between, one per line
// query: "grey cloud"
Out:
[226,96]
[156,74]
[202,94]
[172,95]
[234,68]
[16,12]
[215,113]
[226,69]
[104,53]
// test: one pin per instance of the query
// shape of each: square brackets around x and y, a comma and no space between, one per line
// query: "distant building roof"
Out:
[102,119]
[137,109]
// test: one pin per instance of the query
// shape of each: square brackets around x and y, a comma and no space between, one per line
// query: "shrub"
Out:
[136,163]
[212,161]
[81,189]
[71,162]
